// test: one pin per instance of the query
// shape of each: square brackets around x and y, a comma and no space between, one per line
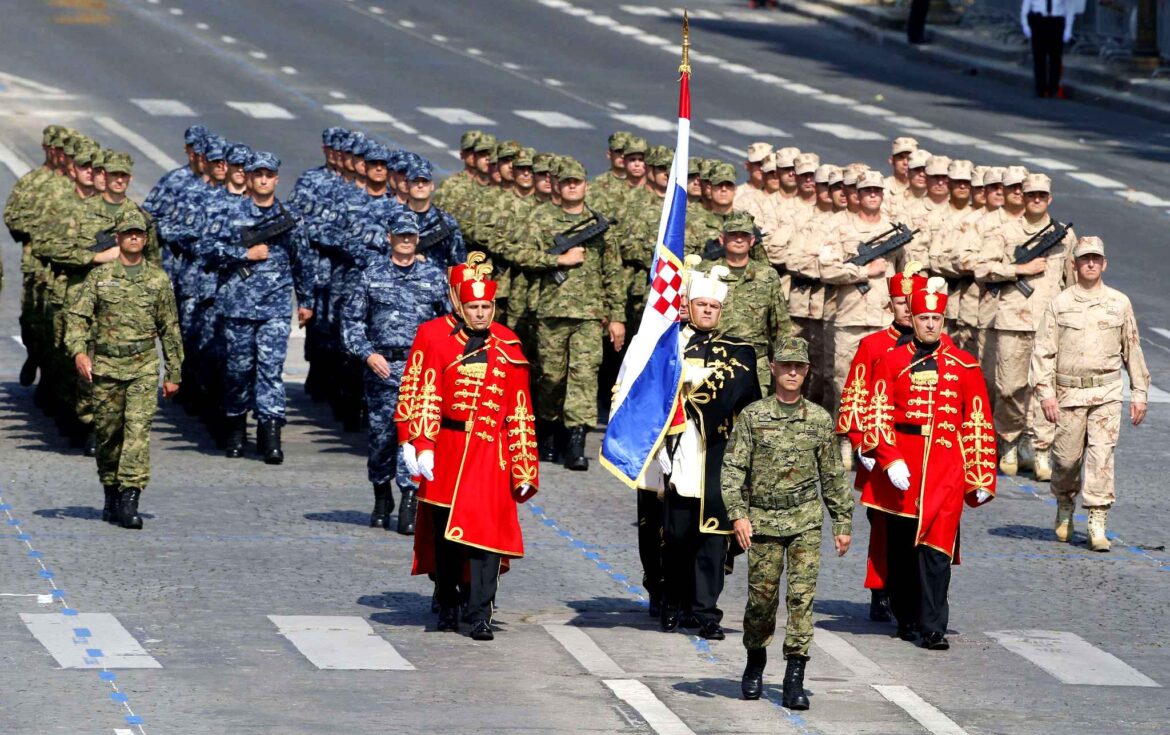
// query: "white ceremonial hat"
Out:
[708,285]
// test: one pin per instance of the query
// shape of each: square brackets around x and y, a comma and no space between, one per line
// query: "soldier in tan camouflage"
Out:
[121,308]
[1086,335]
[781,461]
[751,195]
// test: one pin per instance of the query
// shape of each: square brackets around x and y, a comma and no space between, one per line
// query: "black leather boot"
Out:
[575,456]
[28,371]
[237,428]
[129,508]
[110,511]
[752,683]
[89,449]
[406,511]
[879,606]
[794,696]
[272,451]
[383,505]
[547,440]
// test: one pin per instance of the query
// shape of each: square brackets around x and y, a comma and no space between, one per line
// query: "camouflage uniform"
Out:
[777,455]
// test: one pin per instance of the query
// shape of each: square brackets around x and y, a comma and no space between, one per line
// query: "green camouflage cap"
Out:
[486,143]
[130,218]
[49,134]
[524,158]
[99,159]
[508,149]
[542,163]
[738,221]
[60,135]
[571,168]
[468,140]
[635,144]
[84,152]
[617,141]
[118,162]
[69,144]
[792,349]
[659,156]
[554,168]
[721,172]
[694,166]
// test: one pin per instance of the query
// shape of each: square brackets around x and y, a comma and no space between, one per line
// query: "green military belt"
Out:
[1089,381]
[124,349]
[798,497]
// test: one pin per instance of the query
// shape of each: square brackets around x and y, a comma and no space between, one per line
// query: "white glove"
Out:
[524,492]
[982,496]
[410,458]
[696,374]
[868,462]
[899,475]
[1067,34]
[1027,31]
[664,462]
[426,465]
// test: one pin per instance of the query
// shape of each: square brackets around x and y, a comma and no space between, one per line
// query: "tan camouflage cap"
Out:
[904,145]
[870,179]
[1013,175]
[937,165]
[824,172]
[130,218]
[806,163]
[1089,245]
[993,175]
[768,165]
[836,176]
[852,172]
[468,140]
[757,152]
[792,349]
[786,157]
[920,157]
[721,173]
[1038,182]
[738,221]
[977,175]
[961,171]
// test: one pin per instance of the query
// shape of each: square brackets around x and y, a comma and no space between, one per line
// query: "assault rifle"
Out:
[895,238]
[261,233]
[1036,246]
[440,233]
[576,236]
[104,240]
[714,251]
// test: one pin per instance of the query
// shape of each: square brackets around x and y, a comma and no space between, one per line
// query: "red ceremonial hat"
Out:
[477,289]
[932,299]
[908,281]
[457,274]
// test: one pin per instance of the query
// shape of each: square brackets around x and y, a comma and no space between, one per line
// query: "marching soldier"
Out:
[613,180]
[898,182]
[121,308]
[751,196]
[1086,335]
[781,461]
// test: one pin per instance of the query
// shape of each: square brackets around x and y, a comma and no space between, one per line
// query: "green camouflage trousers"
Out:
[765,565]
[123,413]
[569,351]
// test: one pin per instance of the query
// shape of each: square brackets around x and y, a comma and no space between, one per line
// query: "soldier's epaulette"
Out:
[511,352]
[966,359]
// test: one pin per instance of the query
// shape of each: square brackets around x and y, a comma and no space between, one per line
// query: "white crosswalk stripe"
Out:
[922,711]
[1001,150]
[1070,658]
[907,122]
[433,141]
[647,122]
[457,116]
[845,132]
[13,161]
[946,137]
[164,108]
[340,642]
[88,641]
[656,714]
[751,128]
[360,113]
[262,110]
[1048,164]
[1046,141]
[552,119]
[1097,180]
[1144,197]
[150,150]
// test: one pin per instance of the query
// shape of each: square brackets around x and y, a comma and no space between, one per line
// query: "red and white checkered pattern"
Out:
[665,290]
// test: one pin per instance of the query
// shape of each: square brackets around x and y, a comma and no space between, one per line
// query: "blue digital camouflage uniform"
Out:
[162,197]
[448,249]
[381,313]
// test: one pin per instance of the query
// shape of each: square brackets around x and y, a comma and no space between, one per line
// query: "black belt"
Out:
[393,353]
[124,349]
[452,424]
[915,429]
[802,284]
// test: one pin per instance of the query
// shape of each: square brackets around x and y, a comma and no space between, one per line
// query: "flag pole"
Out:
[685,66]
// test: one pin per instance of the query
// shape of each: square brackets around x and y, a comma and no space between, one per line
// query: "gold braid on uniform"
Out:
[977,440]
[407,391]
[424,419]
[853,403]
[879,423]
[522,441]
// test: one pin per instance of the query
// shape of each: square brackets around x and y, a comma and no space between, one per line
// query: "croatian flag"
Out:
[646,404]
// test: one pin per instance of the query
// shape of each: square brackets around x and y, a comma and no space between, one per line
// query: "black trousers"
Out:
[918,578]
[480,591]
[650,541]
[692,562]
[916,21]
[1047,52]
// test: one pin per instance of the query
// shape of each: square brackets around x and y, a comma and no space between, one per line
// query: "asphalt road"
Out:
[208,620]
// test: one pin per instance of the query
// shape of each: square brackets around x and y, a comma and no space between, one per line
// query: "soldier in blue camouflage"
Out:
[162,197]
[393,294]
[440,239]
[256,281]
[781,461]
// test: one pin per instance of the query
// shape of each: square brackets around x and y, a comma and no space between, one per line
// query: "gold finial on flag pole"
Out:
[685,66]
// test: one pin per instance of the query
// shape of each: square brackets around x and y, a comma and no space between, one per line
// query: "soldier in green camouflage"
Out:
[755,309]
[454,187]
[704,228]
[636,231]
[512,211]
[613,179]
[781,449]
[521,316]
[581,293]
[614,199]
[121,308]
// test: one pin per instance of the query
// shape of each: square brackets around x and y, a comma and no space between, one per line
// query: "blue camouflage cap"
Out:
[406,223]
[263,159]
[420,169]
[357,143]
[200,144]
[194,133]
[238,154]
[405,160]
[215,148]
[327,135]
[377,152]
[337,137]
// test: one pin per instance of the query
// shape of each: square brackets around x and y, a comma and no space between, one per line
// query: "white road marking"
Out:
[228,39]
[602,20]
[122,731]
[626,30]
[262,110]
[836,99]
[150,150]
[801,88]
[946,137]
[376,10]
[555,4]
[581,647]
[340,642]
[845,132]
[289,69]
[176,11]
[651,40]
[10,158]
[873,111]
[475,52]
[907,122]
[578,12]
[22,88]
[1070,658]
[1144,197]
[408,129]
[711,59]
[438,38]
[1046,141]
[164,108]
[88,641]
[258,54]
[648,122]
[552,119]
[769,78]
[656,714]
[702,138]
[457,116]
[553,82]
[510,65]
[853,659]
[360,113]
[617,105]
[915,706]
[1001,150]
[406,23]
[1164,332]
[433,142]
[25,112]
[647,10]
[732,150]
[202,26]
[750,128]
[16,338]
[337,95]
[738,69]
[1101,182]
[1050,164]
